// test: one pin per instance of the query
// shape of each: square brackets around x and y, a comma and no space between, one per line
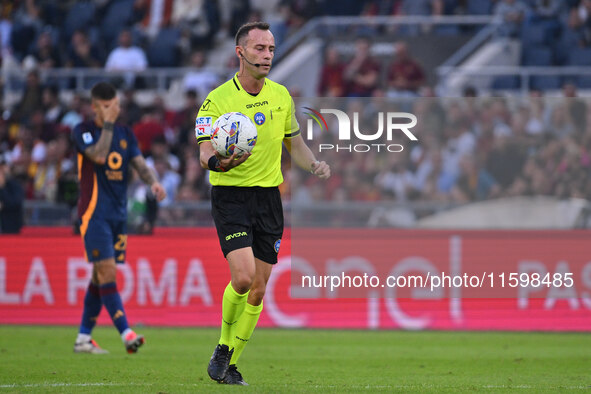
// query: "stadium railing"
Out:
[523,73]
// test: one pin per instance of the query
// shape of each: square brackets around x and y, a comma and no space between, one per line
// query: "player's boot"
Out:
[220,360]
[89,347]
[133,341]
[233,377]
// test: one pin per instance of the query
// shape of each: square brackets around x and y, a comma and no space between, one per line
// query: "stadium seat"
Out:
[540,56]
[479,7]
[584,82]
[506,82]
[580,57]
[80,16]
[534,34]
[545,82]
[163,50]
[569,39]
[118,17]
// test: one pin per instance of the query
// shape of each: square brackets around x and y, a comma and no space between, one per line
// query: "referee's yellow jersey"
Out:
[273,113]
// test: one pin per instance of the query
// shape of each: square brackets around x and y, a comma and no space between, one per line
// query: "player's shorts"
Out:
[248,217]
[105,239]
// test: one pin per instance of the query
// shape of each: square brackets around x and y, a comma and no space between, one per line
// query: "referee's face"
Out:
[259,49]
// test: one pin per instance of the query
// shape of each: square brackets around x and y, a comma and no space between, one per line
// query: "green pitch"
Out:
[40,359]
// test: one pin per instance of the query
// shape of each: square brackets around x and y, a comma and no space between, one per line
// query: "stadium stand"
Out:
[62,49]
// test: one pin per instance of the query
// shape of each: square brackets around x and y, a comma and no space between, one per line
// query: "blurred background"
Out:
[502,163]
[500,87]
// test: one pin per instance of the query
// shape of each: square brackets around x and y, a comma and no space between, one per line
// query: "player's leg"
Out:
[248,320]
[107,276]
[92,308]
[233,227]
[242,270]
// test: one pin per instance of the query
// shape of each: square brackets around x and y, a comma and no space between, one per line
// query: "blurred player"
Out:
[246,204]
[105,150]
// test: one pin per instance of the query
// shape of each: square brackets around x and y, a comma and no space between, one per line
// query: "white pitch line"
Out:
[367,387]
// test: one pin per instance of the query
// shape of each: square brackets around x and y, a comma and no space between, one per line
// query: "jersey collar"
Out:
[240,88]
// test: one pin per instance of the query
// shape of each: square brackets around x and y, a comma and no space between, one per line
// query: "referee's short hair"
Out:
[247,27]
[103,91]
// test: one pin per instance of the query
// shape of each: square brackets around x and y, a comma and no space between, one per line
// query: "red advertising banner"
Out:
[176,278]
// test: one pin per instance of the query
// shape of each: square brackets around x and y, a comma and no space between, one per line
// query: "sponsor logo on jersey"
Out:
[203,126]
[259,104]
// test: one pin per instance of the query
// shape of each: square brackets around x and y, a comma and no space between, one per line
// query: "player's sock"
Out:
[112,301]
[244,329]
[92,308]
[232,307]
[83,338]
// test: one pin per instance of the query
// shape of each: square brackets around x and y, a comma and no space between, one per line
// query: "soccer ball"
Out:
[233,132]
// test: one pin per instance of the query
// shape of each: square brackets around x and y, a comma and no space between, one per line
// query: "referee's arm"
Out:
[303,157]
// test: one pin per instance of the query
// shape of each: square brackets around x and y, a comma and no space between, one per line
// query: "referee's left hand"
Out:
[227,163]
[321,169]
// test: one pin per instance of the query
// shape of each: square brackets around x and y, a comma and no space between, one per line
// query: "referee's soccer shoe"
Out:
[233,377]
[220,360]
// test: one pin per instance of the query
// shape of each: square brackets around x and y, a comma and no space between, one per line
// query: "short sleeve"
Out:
[208,114]
[82,139]
[292,127]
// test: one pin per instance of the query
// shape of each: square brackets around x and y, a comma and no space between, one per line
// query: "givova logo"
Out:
[388,122]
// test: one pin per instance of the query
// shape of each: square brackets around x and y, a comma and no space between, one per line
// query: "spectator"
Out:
[127,57]
[12,197]
[46,55]
[200,79]
[577,108]
[31,99]
[73,115]
[299,11]
[131,112]
[27,25]
[199,19]
[331,75]
[160,150]
[549,10]
[148,128]
[474,183]
[185,119]
[406,75]
[46,174]
[512,13]
[82,53]
[169,179]
[54,110]
[506,160]
[362,72]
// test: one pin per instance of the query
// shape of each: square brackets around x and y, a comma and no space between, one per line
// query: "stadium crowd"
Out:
[469,149]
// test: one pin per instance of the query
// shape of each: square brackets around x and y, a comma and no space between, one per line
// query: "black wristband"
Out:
[108,126]
[214,164]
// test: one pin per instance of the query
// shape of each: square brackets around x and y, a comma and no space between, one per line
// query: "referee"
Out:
[245,199]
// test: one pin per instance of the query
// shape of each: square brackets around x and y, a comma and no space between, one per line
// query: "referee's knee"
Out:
[242,283]
[255,297]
